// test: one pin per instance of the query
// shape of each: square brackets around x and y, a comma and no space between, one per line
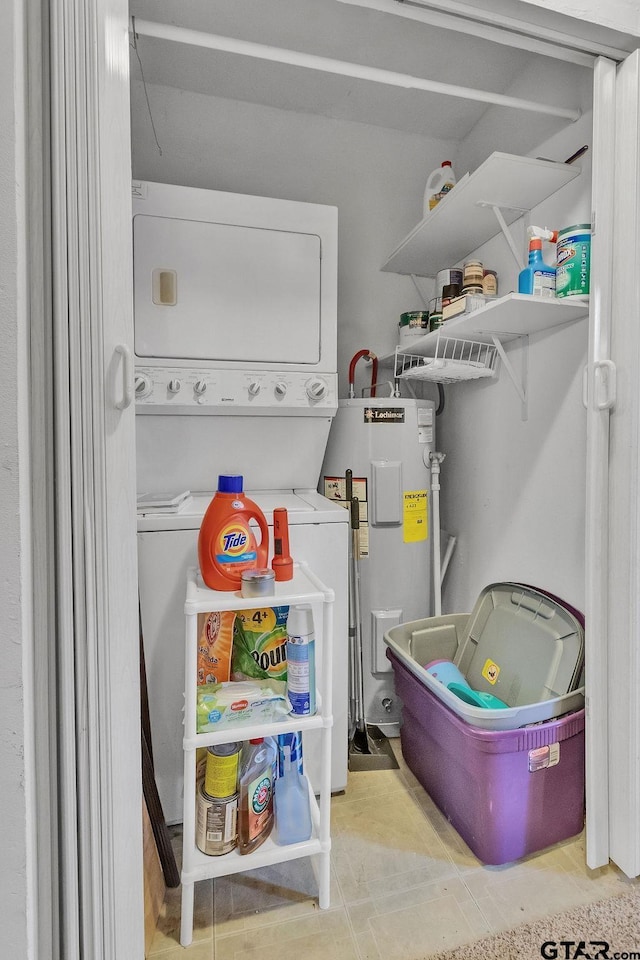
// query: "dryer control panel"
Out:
[188,390]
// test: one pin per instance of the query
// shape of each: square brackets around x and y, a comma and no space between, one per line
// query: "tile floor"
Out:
[403,884]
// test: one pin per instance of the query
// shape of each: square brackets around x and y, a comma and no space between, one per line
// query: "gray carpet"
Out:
[616,921]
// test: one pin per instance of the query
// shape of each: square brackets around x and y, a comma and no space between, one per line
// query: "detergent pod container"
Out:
[227,545]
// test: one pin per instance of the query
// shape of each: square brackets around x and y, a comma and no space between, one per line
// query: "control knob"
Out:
[174,386]
[142,386]
[316,388]
[280,390]
[254,388]
[200,387]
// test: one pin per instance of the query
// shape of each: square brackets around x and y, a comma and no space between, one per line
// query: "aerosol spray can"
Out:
[301,660]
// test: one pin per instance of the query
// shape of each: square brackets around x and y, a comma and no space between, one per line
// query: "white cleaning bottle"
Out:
[439,183]
[301,660]
[291,802]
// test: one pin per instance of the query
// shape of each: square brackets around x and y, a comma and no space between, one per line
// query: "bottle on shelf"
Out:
[538,278]
[226,543]
[301,660]
[439,183]
[255,793]
[291,803]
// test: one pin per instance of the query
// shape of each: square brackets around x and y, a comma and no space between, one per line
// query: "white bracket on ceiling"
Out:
[521,383]
[505,229]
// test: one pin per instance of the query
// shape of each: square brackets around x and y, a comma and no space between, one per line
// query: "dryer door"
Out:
[225,292]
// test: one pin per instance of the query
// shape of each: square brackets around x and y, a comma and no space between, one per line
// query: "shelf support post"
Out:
[521,384]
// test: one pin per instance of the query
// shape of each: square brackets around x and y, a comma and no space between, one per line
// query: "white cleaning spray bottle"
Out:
[301,660]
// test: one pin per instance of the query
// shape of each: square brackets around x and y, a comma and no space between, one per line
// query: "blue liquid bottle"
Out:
[291,804]
[537,279]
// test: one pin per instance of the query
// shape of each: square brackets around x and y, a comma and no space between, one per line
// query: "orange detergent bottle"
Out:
[226,543]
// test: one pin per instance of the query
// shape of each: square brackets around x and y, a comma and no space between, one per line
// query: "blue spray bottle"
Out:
[537,279]
[291,804]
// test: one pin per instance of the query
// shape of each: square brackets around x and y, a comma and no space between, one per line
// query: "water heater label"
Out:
[415,517]
[384,414]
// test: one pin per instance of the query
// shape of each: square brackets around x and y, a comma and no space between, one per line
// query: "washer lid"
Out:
[303,506]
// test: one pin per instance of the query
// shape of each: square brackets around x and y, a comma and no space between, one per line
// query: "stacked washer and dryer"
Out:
[235,311]
[236,372]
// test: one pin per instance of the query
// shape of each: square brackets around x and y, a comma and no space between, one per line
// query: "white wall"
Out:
[513,491]
[16,893]
[375,176]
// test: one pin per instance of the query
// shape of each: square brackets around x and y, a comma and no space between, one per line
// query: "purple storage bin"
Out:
[508,793]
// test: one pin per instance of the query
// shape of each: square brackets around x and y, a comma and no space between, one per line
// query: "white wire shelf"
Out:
[453,361]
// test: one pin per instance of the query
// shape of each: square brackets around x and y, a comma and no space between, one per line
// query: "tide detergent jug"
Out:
[226,543]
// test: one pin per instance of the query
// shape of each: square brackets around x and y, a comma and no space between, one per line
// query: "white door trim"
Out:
[597,526]
[99,702]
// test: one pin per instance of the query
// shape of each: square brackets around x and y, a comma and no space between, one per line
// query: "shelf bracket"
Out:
[520,384]
[505,229]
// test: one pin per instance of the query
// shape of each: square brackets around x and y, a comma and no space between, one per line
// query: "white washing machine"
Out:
[167,546]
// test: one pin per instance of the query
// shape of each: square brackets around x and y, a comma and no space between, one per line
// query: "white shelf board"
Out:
[515,315]
[305,587]
[459,224]
[288,724]
[202,867]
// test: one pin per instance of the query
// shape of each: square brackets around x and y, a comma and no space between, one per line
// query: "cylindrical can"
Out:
[257,583]
[473,290]
[221,770]
[301,662]
[445,277]
[574,261]
[490,283]
[450,292]
[473,273]
[216,823]
[413,325]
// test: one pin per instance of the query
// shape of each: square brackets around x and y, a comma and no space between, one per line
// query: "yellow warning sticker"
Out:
[490,671]
[415,516]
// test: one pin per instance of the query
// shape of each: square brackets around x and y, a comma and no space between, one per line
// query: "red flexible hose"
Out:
[374,369]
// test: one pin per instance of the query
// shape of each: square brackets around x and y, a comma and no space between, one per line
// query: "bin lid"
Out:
[521,644]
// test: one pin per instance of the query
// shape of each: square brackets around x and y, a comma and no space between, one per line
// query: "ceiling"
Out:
[349,33]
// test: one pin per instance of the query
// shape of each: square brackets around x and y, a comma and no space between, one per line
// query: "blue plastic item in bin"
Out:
[476,698]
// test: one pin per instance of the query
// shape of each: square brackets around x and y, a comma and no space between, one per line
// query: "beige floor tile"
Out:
[374,842]
[369,783]
[363,912]
[320,946]
[168,929]
[528,896]
[275,894]
[412,932]
[197,951]
[331,926]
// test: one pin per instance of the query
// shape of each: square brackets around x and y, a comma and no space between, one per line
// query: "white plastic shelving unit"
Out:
[305,587]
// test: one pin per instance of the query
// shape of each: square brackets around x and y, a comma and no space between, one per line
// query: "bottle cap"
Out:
[230,483]
[535,243]
[257,740]
[300,620]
